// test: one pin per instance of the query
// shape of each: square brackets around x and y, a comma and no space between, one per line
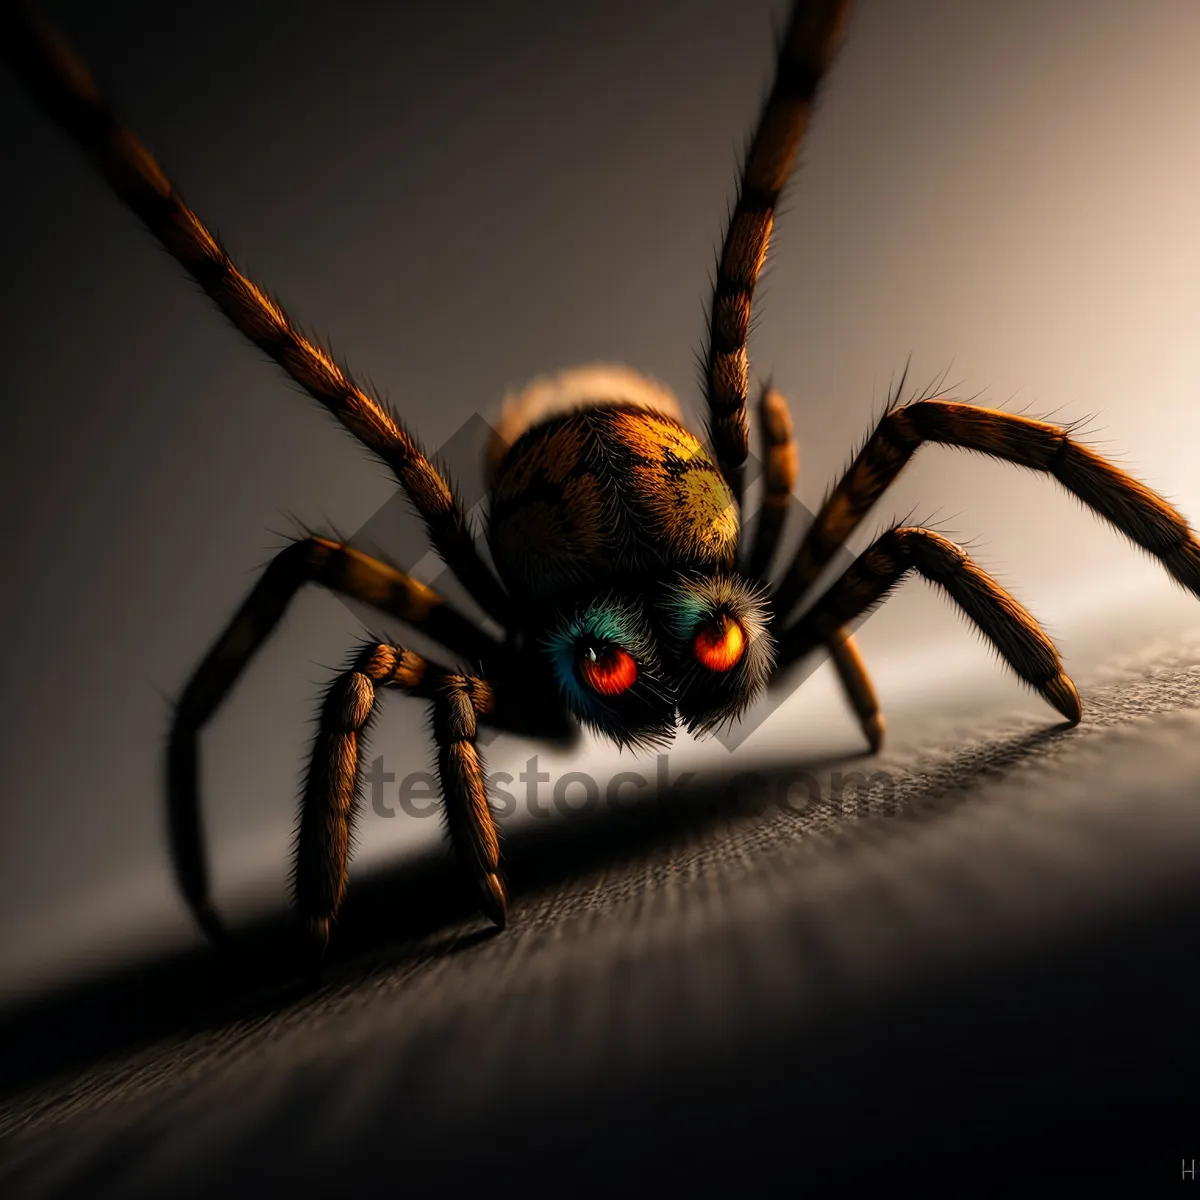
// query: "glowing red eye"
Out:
[609,671]
[720,646]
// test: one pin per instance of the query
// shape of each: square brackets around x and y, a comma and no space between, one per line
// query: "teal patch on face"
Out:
[683,609]
[606,621]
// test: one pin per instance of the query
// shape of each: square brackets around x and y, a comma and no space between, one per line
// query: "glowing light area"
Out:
[609,671]
[720,646]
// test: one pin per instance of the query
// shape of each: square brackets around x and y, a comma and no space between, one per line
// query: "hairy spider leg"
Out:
[781,464]
[63,85]
[1010,628]
[312,560]
[332,790]
[806,51]
[1139,513]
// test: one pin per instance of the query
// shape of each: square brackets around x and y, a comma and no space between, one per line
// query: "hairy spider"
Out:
[628,601]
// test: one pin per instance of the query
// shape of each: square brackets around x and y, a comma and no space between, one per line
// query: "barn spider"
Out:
[614,531]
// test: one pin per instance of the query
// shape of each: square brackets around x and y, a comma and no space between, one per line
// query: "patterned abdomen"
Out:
[610,492]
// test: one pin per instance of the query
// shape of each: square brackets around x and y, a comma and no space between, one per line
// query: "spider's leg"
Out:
[1019,639]
[332,789]
[813,34]
[856,683]
[332,785]
[1136,511]
[459,703]
[781,467]
[313,560]
[63,86]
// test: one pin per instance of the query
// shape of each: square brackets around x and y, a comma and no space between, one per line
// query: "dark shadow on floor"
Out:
[393,916]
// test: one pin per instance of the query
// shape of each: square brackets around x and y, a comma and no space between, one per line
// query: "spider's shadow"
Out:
[409,910]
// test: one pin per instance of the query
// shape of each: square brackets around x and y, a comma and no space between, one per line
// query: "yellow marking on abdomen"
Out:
[692,508]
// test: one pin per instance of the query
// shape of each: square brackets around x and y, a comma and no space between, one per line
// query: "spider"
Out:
[629,600]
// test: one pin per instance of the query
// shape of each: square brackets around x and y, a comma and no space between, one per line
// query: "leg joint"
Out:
[461,699]
[931,553]
[387,665]
[349,703]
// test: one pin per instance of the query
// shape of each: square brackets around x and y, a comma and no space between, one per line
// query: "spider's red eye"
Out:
[720,645]
[609,671]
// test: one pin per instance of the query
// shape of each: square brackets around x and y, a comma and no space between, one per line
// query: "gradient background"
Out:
[464,196]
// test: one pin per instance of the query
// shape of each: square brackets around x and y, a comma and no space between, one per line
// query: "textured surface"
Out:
[1005,951]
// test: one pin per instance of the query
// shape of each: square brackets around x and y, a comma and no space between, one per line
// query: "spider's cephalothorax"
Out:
[626,597]
[616,535]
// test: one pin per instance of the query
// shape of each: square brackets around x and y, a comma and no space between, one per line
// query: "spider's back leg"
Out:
[806,52]
[781,469]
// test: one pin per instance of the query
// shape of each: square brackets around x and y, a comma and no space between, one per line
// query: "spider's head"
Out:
[692,649]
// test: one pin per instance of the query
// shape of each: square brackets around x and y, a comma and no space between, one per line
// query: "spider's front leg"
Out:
[1129,505]
[1011,629]
[332,789]
[312,560]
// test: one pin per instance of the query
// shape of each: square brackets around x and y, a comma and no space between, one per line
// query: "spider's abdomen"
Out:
[612,492]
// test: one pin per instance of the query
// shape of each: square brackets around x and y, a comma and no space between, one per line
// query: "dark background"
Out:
[458,198]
